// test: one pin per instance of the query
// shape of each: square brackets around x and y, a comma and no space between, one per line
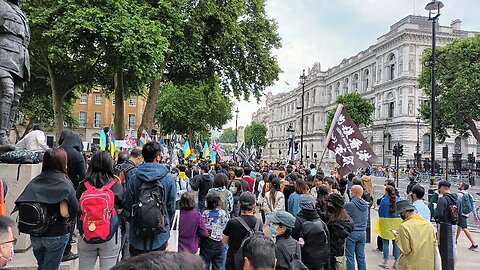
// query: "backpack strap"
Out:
[88,186]
[258,226]
[245,225]
[109,185]
[284,252]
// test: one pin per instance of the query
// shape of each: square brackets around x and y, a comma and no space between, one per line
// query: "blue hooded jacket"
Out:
[357,209]
[150,172]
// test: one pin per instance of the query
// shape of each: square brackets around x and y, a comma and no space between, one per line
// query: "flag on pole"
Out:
[103,140]
[213,157]
[351,149]
[217,147]
[130,139]
[112,139]
[144,138]
[186,149]
[242,152]
[206,150]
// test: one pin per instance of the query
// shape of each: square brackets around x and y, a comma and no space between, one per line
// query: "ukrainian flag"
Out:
[206,150]
[387,221]
[186,149]
[103,140]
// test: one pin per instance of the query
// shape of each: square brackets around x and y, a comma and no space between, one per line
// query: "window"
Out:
[96,138]
[426,142]
[131,121]
[97,119]
[113,101]
[366,74]
[391,109]
[391,66]
[355,82]
[98,99]
[392,71]
[82,118]
[83,99]
[388,139]
[132,102]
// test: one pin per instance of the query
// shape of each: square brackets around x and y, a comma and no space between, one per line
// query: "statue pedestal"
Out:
[17,176]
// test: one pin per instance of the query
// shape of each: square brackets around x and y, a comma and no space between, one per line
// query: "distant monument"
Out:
[14,63]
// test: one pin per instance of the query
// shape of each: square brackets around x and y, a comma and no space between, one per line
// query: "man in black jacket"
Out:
[202,183]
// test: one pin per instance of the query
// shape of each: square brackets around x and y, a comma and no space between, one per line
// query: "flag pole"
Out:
[321,159]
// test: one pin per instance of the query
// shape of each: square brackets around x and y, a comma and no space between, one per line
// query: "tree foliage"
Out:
[457,91]
[192,108]
[227,136]
[256,133]
[231,40]
[359,108]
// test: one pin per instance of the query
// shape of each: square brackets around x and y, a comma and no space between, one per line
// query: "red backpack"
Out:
[99,220]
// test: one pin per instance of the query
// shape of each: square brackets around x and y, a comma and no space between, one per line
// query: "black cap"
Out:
[247,198]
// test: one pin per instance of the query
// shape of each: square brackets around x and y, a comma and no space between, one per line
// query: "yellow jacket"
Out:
[416,241]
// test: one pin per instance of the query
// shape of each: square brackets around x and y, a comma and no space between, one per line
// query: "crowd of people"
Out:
[139,211]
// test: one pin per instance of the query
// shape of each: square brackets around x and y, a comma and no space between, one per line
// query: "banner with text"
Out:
[351,149]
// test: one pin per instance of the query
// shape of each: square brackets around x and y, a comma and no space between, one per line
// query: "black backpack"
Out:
[314,237]
[452,209]
[257,229]
[293,259]
[149,211]
[33,218]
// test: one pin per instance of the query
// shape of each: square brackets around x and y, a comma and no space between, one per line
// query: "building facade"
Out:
[386,74]
[95,111]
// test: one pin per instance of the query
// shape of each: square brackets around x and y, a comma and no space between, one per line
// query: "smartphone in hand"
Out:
[395,232]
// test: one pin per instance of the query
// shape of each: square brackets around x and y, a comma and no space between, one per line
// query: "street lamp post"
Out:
[236,126]
[433,7]
[417,157]
[291,131]
[302,81]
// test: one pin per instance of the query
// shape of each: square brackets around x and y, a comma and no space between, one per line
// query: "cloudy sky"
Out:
[328,31]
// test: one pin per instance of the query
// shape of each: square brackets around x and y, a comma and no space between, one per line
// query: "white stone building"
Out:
[385,73]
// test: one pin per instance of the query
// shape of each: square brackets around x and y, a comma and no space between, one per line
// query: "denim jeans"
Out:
[396,251]
[355,246]
[49,250]
[211,252]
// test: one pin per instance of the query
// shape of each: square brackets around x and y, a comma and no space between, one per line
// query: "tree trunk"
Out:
[57,109]
[119,105]
[151,104]
[473,129]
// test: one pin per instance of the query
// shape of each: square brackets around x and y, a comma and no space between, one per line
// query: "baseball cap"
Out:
[247,198]
[403,206]
[282,217]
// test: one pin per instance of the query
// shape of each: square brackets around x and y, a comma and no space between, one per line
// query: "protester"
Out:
[161,260]
[99,176]
[340,225]
[211,247]
[321,205]
[350,177]
[34,141]
[415,239]
[446,216]
[7,240]
[191,226]
[53,192]
[286,248]
[202,183]
[274,199]
[467,208]
[294,199]
[236,190]
[220,188]
[259,253]
[357,208]
[317,182]
[421,208]
[248,178]
[331,185]
[72,143]
[149,173]
[239,173]
[366,181]
[312,233]
[236,230]
[388,220]
[289,188]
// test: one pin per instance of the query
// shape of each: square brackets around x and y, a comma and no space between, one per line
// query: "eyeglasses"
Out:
[14,242]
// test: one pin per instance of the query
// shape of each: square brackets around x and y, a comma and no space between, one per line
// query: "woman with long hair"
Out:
[340,225]
[99,176]
[294,199]
[388,221]
[54,192]
[274,199]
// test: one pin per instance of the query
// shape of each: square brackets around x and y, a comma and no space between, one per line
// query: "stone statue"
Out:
[14,63]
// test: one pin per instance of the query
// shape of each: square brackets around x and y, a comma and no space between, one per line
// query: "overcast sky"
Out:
[328,31]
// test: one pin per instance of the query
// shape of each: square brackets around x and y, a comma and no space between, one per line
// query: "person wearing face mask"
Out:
[236,190]
[281,225]
[415,239]
[7,241]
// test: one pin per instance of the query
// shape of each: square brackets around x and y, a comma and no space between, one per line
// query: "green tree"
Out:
[192,108]
[457,91]
[80,44]
[209,39]
[359,108]
[227,136]
[256,132]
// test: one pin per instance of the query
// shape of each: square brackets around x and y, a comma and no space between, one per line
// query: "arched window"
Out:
[366,75]
[426,142]
[345,86]
[355,82]
[388,141]
[329,94]
[391,66]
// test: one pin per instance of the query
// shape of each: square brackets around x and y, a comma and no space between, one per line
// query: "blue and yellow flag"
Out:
[103,140]
[206,150]
[213,157]
[186,149]
[112,139]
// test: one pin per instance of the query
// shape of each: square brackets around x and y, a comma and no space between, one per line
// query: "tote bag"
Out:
[173,240]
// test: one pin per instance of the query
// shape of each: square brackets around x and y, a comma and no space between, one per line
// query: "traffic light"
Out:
[400,150]
[395,150]
[296,147]
[471,158]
